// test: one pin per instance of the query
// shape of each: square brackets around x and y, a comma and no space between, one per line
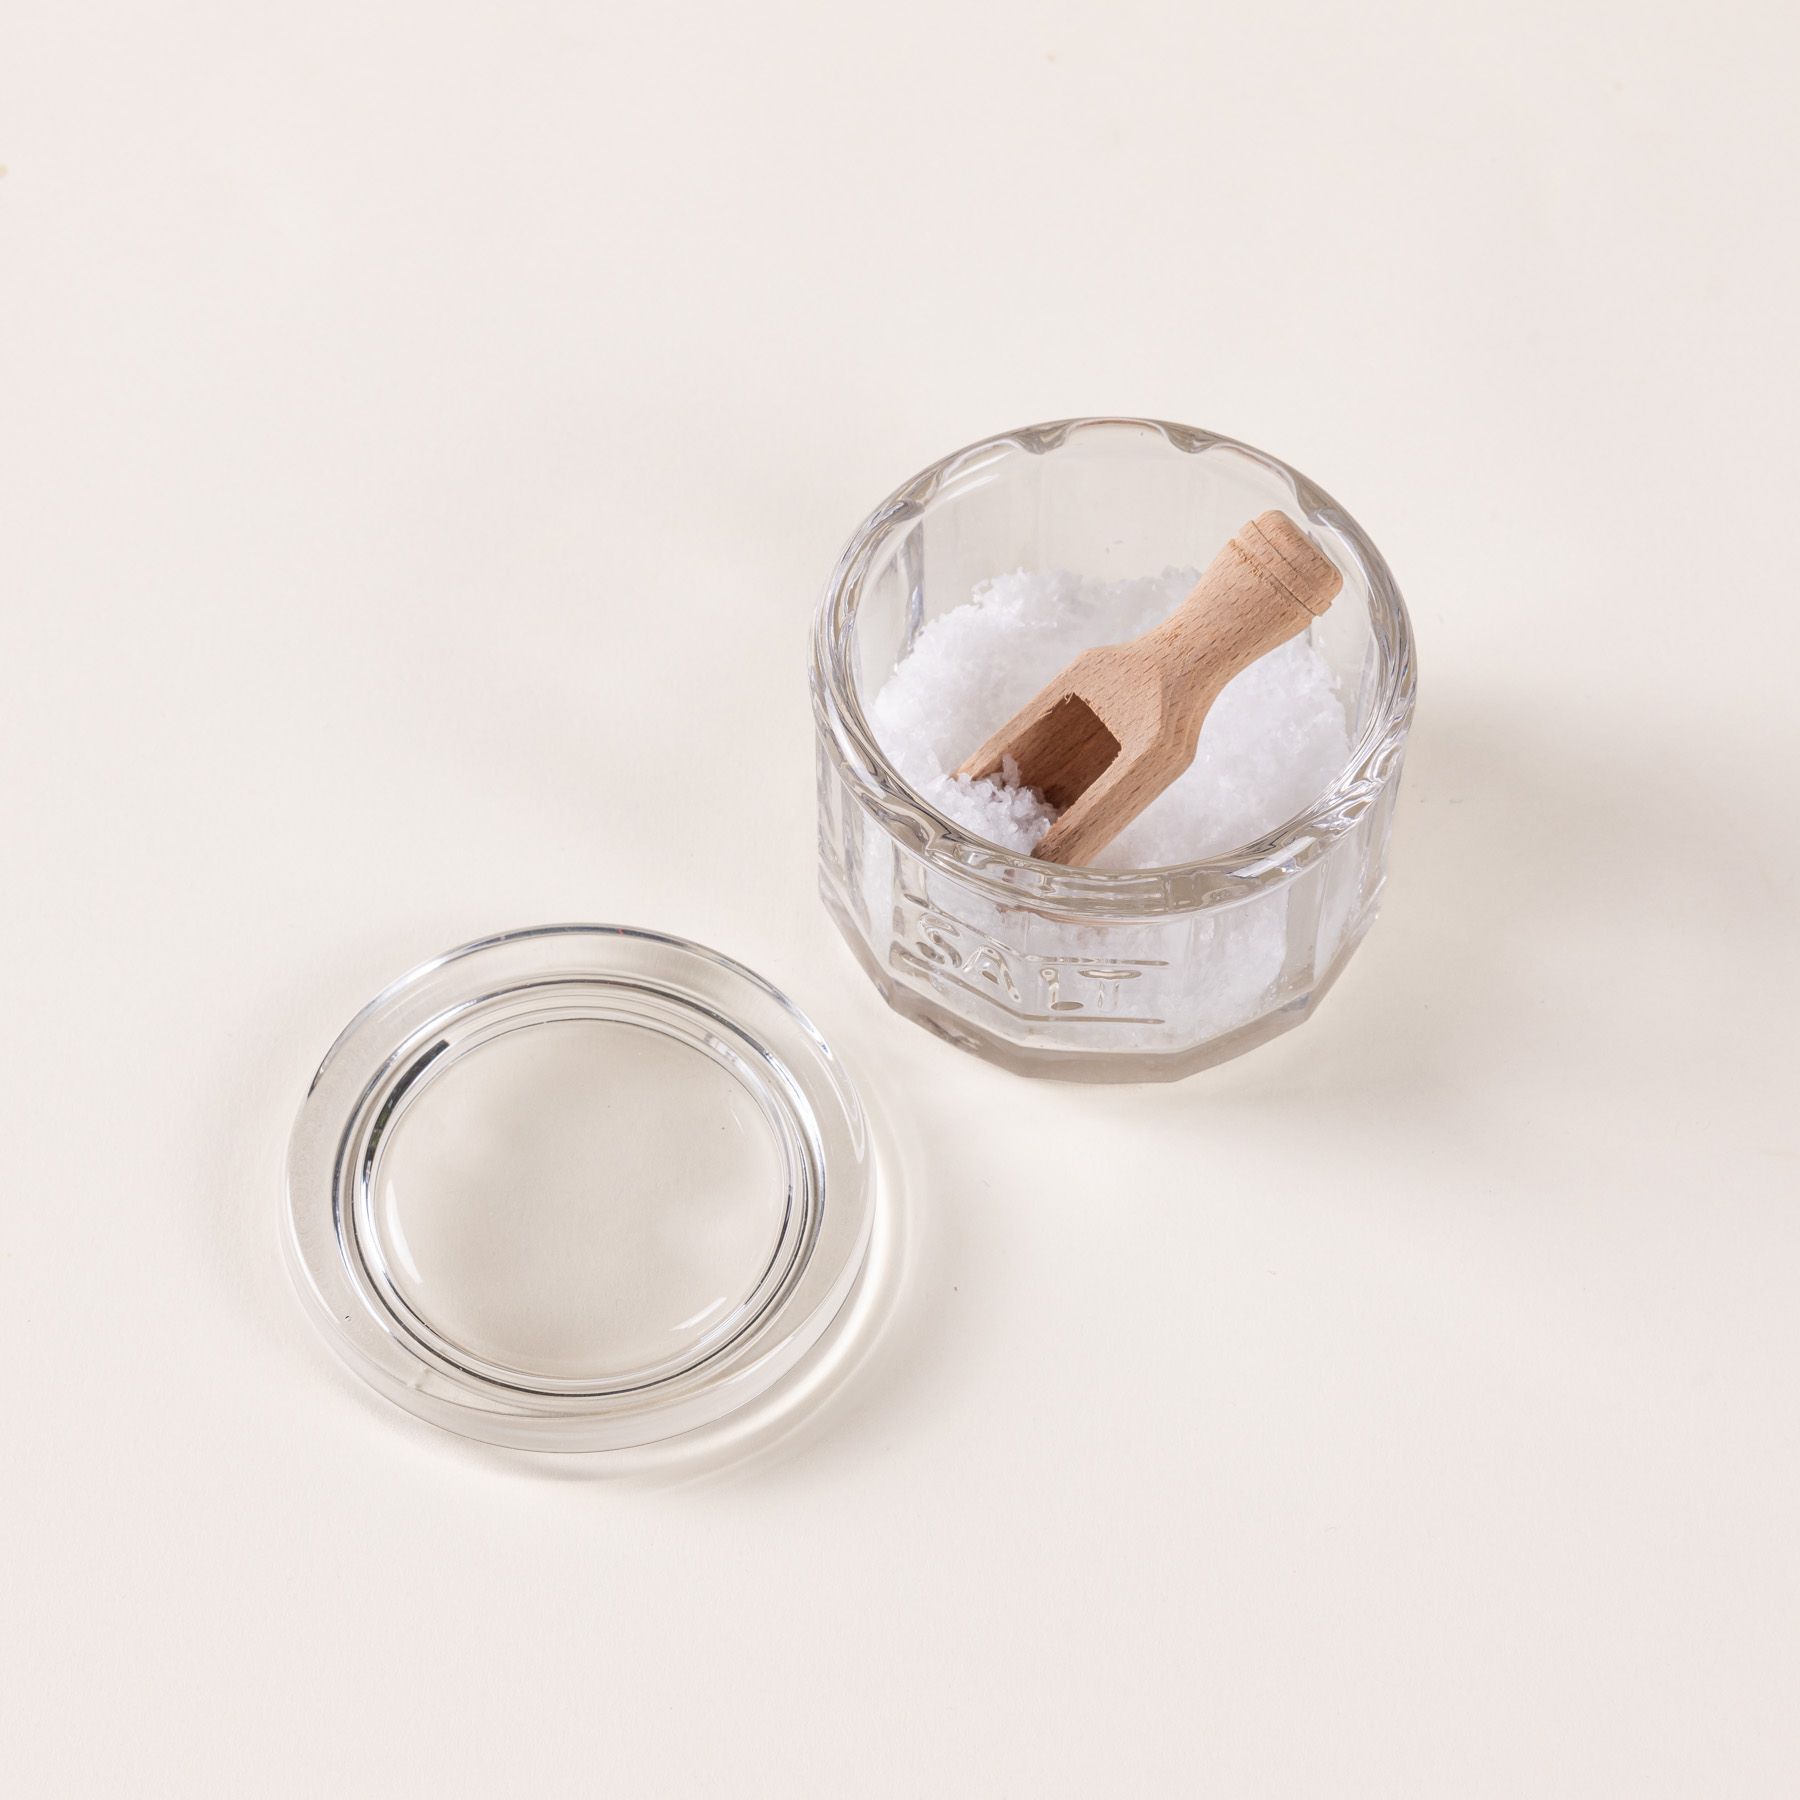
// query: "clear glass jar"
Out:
[1087,974]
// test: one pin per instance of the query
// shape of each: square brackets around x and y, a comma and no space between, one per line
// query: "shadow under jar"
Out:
[1088,974]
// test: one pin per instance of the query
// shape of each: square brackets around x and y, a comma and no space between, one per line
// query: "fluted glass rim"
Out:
[1267,861]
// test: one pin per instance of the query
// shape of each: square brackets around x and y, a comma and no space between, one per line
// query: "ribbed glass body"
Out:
[1087,974]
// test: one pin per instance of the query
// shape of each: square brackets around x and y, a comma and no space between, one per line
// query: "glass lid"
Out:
[577,1188]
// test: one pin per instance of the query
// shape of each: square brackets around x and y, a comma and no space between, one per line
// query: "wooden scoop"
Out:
[1121,721]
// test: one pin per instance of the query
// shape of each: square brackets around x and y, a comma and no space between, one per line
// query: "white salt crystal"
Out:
[1274,740]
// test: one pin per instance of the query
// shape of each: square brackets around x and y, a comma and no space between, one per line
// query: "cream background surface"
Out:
[423,432]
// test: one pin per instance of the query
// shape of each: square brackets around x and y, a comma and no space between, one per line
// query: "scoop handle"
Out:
[1267,585]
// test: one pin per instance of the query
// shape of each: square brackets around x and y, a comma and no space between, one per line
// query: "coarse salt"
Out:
[1275,739]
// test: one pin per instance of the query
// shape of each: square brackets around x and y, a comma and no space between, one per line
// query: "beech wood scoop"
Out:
[1122,720]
